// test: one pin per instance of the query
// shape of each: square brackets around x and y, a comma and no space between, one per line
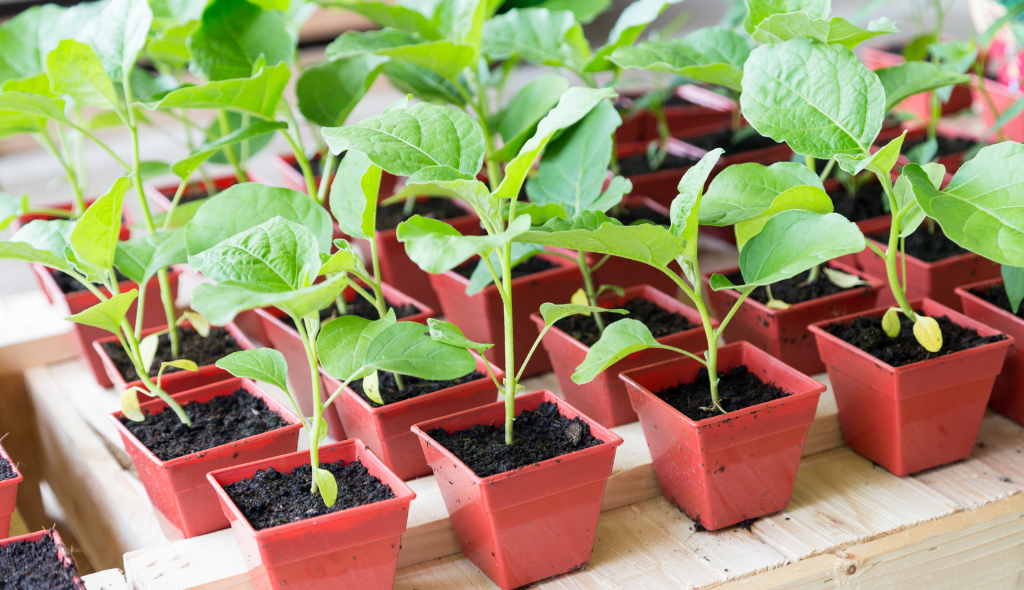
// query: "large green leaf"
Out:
[438,247]
[94,239]
[185,167]
[257,95]
[685,209]
[247,205]
[27,252]
[744,191]
[406,348]
[32,105]
[422,83]
[220,303]
[804,198]
[817,98]
[327,93]
[261,364]
[518,120]
[233,34]
[713,55]
[980,209]
[534,34]
[141,258]
[392,15]
[593,231]
[783,27]
[585,10]
[406,140]
[342,344]
[619,340]
[168,42]
[443,57]
[449,333]
[41,242]
[74,69]
[903,191]
[118,34]
[31,35]
[759,10]
[445,182]
[354,195]
[913,77]
[632,22]
[107,315]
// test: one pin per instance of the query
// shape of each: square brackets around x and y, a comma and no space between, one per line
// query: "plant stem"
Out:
[510,352]
[827,170]
[300,153]
[813,275]
[309,342]
[378,294]
[229,151]
[174,203]
[325,178]
[892,250]
[588,285]
[48,145]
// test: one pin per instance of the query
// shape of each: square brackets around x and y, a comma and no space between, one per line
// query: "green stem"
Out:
[174,203]
[711,355]
[300,153]
[892,251]
[827,170]
[511,377]
[588,285]
[131,345]
[229,151]
[325,178]
[309,343]
[47,142]
[96,140]
[378,293]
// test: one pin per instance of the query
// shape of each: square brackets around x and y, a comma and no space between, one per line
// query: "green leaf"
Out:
[744,191]
[979,208]
[32,105]
[535,34]
[130,404]
[168,43]
[914,77]
[260,364]
[183,364]
[1013,281]
[712,54]
[74,69]
[235,122]
[405,141]
[220,303]
[592,231]
[15,250]
[346,259]
[342,344]
[422,83]
[482,277]
[903,191]
[759,10]
[36,84]
[446,182]
[804,198]
[880,162]
[685,208]
[627,29]
[41,242]
[783,27]
[186,167]
[258,95]
[26,39]
[406,348]
[574,104]
[553,312]
[94,239]
[141,258]
[233,34]
[817,98]
[519,119]
[327,93]
[107,315]
[118,34]
[393,15]
[442,57]
[584,10]
[327,485]
[247,205]
[354,193]
[450,334]
[619,340]
[10,209]
[437,247]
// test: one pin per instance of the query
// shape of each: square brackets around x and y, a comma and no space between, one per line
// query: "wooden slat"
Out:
[32,332]
[17,427]
[106,580]
[18,526]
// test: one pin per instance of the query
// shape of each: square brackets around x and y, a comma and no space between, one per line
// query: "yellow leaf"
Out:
[130,405]
[891,322]
[928,333]
[580,298]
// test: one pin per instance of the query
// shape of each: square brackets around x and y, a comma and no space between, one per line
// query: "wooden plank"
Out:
[32,332]
[17,427]
[106,580]
[18,526]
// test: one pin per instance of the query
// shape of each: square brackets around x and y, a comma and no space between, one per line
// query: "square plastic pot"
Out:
[353,548]
[178,381]
[1008,391]
[531,523]
[481,316]
[732,467]
[919,104]
[917,416]
[63,552]
[387,429]
[291,177]
[162,195]
[186,505]
[84,337]
[8,495]
[661,186]
[286,340]
[783,333]
[604,399]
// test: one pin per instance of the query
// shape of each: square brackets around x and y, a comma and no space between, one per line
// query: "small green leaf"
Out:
[843,280]
[410,17]
[346,259]
[186,167]
[914,77]
[553,312]
[903,191]
[118,34]
[627,29]
[759,10]
[407,348]
[880,162]
[437,247]
[424,84]
[183,364]
[107,315]
[805,198]
[141,258]
[619,340]
[450,334]
[685,209]
[94,239]
[74,69]
[327,93]
[534,34]
[32,105]
[40,242]
[257,95]
[1013,282]
[260,364]
[327,485]
[518,120]
[354,193]
[371,387]
[342,344]
[745,191]
[713,55]
[197,321]
[222,302]
[891,322]
[783,27]
[147,350]
[592,231]
[130,406]
[443,57]
[233,34]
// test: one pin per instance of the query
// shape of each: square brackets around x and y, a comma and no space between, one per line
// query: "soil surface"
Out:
[220,421]
[414,387]
[866,334]
[388,217]
[866,202]
[793,290]
[6,470]
[540,435]
[723,139]
[659,321]
[68,285]
[193,192]
[35,565]
[996,295]
[638,164]
[947,145]
[201,351]
[630,215]
[675,100]
[738,388]
[926,246]
[358,307]
[531,266]
[271,498]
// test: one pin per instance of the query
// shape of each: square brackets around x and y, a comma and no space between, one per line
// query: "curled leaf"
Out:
[371,387]
[199,323]
[130,404]
[843,280]
[147,349]
[327,485]
[776,304]
[184,364]
[891,322]
[928,333]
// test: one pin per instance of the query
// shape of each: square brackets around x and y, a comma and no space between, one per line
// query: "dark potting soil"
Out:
[996,295]
[947,145]
[201,351]
[358,307]
[630,215]
[36,565]
[389,216]
[6,470]
[414,387]
[866,334]
[660,322]
[925,245]
[531,266]
[793,290]
[193,192]
[738,388]
[68,285]
[723,139]
[866,203]
[271,498]
[220,421]
[638,164]
[674,100]
[540,435]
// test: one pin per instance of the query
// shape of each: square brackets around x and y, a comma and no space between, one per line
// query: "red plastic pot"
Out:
[285,339]
[481,316]
[732,467]
[1008,391]
[531,523]
[768,155]
[161,196]
[84,337]
[8,495]
[386,429]
[604,399]
[178,381]
[919,104]
[642,126]
[291,176]
[1003,97]
[629,273]
[918,416]
[661,186]
[22,220]
[186,504]
[931,280]
[353,548]
[783,333]
[63,552]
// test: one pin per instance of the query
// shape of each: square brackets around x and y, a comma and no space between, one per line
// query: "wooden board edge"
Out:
[112,579]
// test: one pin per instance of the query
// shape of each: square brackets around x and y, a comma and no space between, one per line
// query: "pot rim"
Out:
[62,550]
[562,266]
[18,477]
[967,291]
[44,274]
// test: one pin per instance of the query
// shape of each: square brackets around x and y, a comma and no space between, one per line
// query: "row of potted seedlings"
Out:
[555,281]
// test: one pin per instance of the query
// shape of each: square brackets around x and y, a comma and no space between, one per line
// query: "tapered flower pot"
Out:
[917,416]
[604,399]
[783,333]
[732,467]
[353,548]
[1008,391]
[186,504]
[287,168]
[63,552]
[8,495]
[163,195]
[178,381]
[84,337]
[387,429]
[531,523]
[660,185]
[919,104]
[481,316]
[286,340]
